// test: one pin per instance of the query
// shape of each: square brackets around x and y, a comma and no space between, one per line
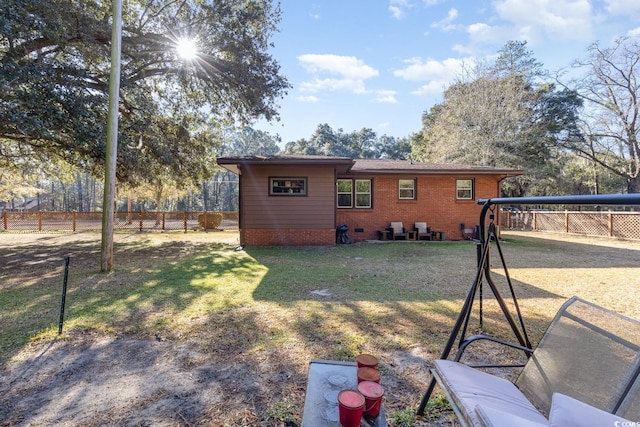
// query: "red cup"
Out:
[350,408]
[368,374]
[367,361]
[372,393]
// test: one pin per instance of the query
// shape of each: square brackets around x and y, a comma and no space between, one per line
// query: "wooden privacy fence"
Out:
[92,221]
[623,225]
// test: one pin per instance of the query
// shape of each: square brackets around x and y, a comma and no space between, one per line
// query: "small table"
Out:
[411,234]
[384,234]
[437,235]
[326,379]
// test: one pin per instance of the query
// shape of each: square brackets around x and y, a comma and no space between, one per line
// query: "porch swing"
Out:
[481,399]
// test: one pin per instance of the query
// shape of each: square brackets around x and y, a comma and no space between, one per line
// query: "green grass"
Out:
[289,305]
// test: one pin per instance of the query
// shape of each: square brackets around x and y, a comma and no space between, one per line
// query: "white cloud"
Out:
[483,34]
[321,85]
[432,89]
[557,19]
[430,69]
[398,8]
[384,126]
[396,12]
[386,96]
[634,33]
[447,24]
[622,7]
[308,98]
[346,66]
[438,74]
[346,73]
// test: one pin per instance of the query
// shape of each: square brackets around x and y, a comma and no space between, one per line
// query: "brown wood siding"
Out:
[316,210]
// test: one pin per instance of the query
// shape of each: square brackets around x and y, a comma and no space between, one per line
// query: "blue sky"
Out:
[380,64]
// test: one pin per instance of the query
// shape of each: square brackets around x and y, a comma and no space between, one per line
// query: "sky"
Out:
[380,64]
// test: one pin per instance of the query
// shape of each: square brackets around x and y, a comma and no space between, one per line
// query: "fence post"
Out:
[4,217]
[566,221]
[140,219]
[204,221]
[39,220]
[64,294]
[185,221]
[610,224]
[163,218]
[73,221]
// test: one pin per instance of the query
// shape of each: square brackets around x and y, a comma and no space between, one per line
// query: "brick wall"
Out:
[288,237]
[435,204]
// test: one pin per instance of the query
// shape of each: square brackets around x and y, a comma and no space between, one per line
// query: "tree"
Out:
[54,65]
[610,88]
[362,144]
[497,114]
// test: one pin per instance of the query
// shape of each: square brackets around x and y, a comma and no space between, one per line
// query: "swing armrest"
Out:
[463,346]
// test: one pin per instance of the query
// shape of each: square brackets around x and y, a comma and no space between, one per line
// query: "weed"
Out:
[281,411]
[403,418]
[436,405]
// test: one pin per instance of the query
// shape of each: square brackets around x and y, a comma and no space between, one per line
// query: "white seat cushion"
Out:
[469,387]
[569,412]
[421,227]
[491,417]
[397,227]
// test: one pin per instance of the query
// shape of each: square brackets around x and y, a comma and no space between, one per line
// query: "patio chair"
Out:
[422,231]
[588,362]
[397,231]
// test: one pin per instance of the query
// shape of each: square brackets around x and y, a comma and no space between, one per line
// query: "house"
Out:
[300,200]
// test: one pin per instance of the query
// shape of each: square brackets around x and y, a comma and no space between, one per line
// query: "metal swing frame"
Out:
[489,234]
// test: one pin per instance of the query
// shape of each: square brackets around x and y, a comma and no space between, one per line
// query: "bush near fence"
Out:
[210,220]
[623,225]
[42,221]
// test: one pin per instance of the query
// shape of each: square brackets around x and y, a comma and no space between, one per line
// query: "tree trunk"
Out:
[633,184]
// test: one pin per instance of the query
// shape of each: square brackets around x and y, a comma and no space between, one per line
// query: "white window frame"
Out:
[358,198]
[411,189]
[465,189]
[362,193]
[344,193]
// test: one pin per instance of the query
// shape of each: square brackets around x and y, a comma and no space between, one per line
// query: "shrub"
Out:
[213,220]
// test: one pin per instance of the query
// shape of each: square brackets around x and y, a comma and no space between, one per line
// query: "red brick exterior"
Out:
[435,204]
[288,237]
[311,218]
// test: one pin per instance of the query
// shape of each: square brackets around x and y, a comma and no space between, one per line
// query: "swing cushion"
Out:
[473,392]
[588,353]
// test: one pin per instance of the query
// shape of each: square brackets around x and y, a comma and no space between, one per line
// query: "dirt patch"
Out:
[86,380]
[92,379]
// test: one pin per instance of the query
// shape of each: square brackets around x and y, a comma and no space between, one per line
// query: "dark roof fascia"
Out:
[349,166]
[235,164]
[438,172]
[399,167]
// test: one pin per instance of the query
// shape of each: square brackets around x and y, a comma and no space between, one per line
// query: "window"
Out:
[354,193]
[464,189]
[363,193]
[407,189]
[288,186]
[345,193]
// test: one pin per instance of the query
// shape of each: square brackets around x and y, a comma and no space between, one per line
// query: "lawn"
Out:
[252,318]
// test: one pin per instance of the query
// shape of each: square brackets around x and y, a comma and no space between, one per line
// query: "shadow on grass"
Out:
[158,296]
[396,295]
[257,310]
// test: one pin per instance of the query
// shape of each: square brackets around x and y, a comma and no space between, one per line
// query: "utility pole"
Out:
[108,201]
